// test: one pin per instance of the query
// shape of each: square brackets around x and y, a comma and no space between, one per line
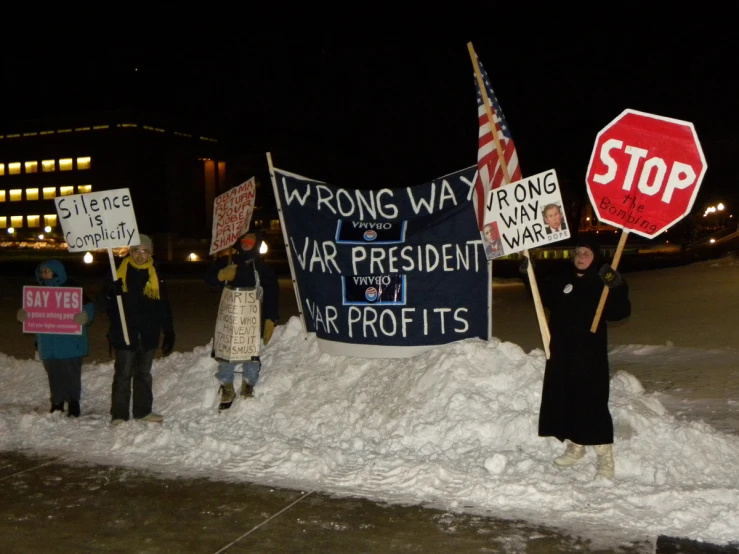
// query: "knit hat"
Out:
[144,240]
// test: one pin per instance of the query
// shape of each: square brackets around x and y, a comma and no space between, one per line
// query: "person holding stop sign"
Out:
[574,402]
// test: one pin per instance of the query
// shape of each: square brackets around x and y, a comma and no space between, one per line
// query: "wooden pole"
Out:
[604,294]
[543,327]
[287,242]
[124,327]
[489,111]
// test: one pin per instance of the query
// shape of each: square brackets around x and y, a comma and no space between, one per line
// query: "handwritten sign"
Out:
[97,220]
[386,272]
[232,213]
[51,309]
[523,215]
[238,325]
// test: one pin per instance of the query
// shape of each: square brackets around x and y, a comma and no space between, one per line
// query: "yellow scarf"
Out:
[151,290]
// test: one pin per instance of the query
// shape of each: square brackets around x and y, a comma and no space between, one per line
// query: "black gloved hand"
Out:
[168,343]
[524,267]
[117,287]
[610,277]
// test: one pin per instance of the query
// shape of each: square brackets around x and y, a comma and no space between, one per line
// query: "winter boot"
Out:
[59,407]
[572,456]
[247,390]
[606,465]
[227,396]
[73,408]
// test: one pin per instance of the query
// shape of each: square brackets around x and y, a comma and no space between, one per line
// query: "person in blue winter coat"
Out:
[62,354]
[247,268]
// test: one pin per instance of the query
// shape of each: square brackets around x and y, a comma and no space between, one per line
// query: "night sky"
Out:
[378,108]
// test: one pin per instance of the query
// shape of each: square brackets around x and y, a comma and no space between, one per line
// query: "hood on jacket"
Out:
[57,268]
[251,253]
[594,246]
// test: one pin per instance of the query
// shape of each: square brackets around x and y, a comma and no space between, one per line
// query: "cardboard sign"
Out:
[97,220]
[51,309]
[238,325]
[524,215]
[232,213]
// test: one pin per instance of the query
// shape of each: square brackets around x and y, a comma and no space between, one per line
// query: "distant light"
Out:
[263,248]
[193,257]
[667,242]
[713,240]
[587,219]
[720,206]
[47,229]
[41,237]
[87,258]
[11,230]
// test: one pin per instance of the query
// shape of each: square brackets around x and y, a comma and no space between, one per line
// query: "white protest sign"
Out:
[238,325]
[232,213]
[97,220]
[523,215]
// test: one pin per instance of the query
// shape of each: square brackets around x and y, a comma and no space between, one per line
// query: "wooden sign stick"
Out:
[124,327]
[604,294]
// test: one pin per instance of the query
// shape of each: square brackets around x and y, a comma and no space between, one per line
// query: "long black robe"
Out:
[574,402]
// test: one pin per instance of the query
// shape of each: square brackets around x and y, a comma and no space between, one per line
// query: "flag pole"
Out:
[543,328]
[287,242]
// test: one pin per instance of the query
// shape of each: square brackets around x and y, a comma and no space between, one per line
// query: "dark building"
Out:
[173,173]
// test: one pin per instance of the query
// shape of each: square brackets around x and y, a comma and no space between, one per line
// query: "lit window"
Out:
[99,127]
[3,222]
[31,167]
[32,134]
[66,191]
[50,220]
[49,193]
[83,189]
[65,164]
[82,129]
[15,195]
[31,194]
[48,166]
[14,168]
[33,220]
[83,163]
[2,196]
[16,221]
[64,130]
[2,169]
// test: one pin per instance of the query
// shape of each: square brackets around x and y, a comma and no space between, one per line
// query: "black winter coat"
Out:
[146,318]
[574,402]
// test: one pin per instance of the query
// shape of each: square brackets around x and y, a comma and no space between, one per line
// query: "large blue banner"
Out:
[386,272]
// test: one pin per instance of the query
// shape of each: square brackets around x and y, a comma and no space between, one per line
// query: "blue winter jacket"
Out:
[56,346]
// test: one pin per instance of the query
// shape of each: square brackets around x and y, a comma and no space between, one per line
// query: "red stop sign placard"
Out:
[644,172]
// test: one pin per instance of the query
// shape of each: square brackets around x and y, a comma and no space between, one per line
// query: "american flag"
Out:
[489,169]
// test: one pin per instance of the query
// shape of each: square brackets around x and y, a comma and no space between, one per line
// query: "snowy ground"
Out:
[454,428]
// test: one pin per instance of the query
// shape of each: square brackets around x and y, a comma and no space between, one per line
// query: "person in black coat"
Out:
[246,269]
[148,317]
[574,403]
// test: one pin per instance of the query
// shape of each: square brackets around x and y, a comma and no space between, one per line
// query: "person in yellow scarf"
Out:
[148,316]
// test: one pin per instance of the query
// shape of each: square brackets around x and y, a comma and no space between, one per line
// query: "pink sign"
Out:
[51,309]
